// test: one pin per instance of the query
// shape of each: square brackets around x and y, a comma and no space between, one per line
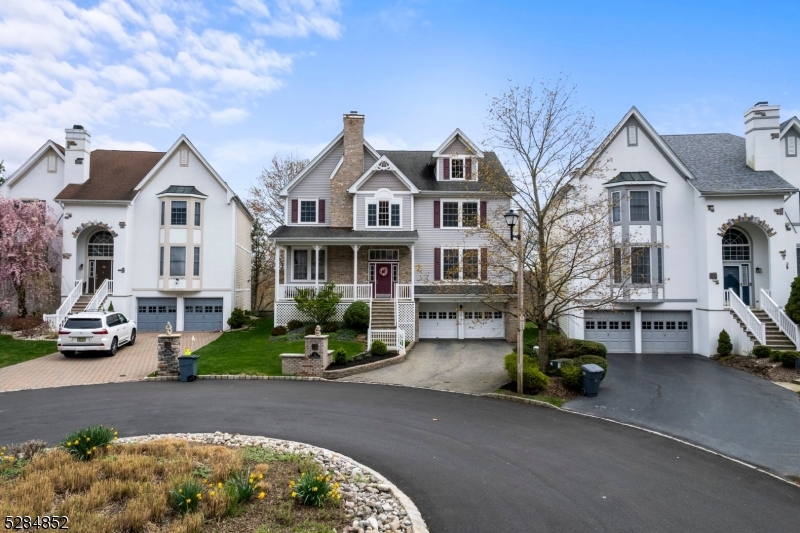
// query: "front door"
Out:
[99,271]
[383,280]
[738,278]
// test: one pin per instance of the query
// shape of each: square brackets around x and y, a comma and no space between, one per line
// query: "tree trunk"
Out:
[544,358]
[22,304]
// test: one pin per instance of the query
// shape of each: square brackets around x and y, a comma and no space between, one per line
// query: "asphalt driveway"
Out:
[473,366]
[704,402]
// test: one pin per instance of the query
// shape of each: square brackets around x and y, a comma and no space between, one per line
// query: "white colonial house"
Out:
[159,235]
[400,230]
[712,224]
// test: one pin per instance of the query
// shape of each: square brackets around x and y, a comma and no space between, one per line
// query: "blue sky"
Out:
[245,79]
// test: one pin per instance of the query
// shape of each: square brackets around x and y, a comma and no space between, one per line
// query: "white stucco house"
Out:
[400,230]
[159,234]
[712,222]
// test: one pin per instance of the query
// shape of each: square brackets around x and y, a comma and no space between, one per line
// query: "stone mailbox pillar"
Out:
[316,358]
[169,348]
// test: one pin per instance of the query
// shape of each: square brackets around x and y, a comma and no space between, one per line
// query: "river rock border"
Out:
[372,502]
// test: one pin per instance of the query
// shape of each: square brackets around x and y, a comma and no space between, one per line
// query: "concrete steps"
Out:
[81,304]
[383,315]
[776,340]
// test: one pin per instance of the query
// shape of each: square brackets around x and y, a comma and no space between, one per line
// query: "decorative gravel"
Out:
[371,501]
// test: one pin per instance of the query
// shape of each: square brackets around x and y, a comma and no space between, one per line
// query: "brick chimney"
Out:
[351,169]
[761,130]
[76,159]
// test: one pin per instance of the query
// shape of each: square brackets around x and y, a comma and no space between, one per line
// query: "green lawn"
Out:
[13,351]
[252,352]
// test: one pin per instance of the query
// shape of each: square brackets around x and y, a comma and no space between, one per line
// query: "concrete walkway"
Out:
[474,366]
[704,402]
[131,363]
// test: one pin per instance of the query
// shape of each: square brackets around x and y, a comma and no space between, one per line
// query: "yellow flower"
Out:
[219,485]
[89,452]
[212,493]
[261,476]
[314,489]
[108,447]
[261,495]
[188,500]
[294,495]
[180,491]
[291,483]
[199,496]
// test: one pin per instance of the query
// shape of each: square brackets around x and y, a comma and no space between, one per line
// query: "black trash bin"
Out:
[188,366]
[592,374]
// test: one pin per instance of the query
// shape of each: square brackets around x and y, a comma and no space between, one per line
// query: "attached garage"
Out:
[483,323]
[438,321]
[613,330]
[202,314]
[154,313]
[667,332]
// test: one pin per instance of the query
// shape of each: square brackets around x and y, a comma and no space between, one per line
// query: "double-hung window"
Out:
[383,213]
[197,213]
[459,264]
[456,169]
[460,214]
[617,265]
[162,213]
[196,267]
[308,211]
[640,265]
[658,206]
[450,263]
[659,265]
[640,206]
[178,213]
[177,261]
[305,265]
[615,207]
[161,261]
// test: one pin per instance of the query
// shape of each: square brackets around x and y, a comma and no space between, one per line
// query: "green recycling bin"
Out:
[592,375]
[188,367]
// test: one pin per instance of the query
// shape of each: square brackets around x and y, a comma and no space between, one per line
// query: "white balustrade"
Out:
[364,292]
[57,319]
[403,291]
[785,324]
[100,295]
[395,339]
[751,322]
[346,291]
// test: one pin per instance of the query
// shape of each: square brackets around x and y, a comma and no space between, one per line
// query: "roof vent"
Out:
[759,104]
[354,112]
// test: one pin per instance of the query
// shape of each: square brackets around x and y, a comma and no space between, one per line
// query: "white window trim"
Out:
[460,203]
[309,249]
[370,201]
[369,254]
[463,159]
[635,134]
[618,196]
[460,264]
[649,208]
[300,210]
[52,164]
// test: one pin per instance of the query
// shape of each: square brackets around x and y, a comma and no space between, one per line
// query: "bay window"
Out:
[640,206]
[177,261]
[640,265]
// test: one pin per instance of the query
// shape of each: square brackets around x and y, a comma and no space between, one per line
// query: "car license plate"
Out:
[80,339]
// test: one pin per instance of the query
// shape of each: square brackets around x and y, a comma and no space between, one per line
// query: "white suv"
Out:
[95,332]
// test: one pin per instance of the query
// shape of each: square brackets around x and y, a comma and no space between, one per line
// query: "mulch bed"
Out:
[762,368]
[556,389]
[363,361]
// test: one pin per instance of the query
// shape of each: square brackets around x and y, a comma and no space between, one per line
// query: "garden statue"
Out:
[317,331]
[169,328]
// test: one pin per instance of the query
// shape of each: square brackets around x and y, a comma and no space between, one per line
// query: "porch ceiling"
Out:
[326,235]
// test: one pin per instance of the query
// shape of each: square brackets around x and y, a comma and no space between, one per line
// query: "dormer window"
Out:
[456,169]
[308,211]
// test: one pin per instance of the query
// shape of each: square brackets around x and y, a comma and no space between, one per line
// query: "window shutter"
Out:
[484,263]
[437,264]
[483,214]
[294,211]
[321,217]
[446,167]
[436,214]
[468,168]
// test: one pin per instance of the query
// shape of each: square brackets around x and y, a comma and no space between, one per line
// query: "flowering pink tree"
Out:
[28,252]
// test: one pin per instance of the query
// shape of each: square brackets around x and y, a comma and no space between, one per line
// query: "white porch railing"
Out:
[395,339]
[402,291]
[100,295]
[751,322]
[57,319]
[346,291]
[778,316]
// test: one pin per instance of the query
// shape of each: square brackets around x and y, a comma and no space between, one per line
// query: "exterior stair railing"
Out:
[779,316]
[751,322]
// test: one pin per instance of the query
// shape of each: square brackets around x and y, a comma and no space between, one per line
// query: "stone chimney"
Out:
[352,168]
[761,131]
[78,148]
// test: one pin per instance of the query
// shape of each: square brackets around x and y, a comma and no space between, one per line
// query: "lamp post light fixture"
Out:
[513,219]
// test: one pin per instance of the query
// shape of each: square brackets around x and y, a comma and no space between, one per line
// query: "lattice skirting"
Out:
[286,311]
[405,319]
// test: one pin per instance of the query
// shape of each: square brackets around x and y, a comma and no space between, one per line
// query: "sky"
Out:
[246,79]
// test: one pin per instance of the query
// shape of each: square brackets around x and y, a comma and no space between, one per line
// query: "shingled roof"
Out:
[718,163]
[112,176]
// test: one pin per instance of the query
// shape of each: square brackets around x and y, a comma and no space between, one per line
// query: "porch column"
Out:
[355,248]
[316,263]
[413,264]
[277,270]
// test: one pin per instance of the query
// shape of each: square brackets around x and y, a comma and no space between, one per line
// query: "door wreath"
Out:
[383,271]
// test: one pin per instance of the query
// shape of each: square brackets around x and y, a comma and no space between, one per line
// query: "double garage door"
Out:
[441,321]
[200,314]
[662,331]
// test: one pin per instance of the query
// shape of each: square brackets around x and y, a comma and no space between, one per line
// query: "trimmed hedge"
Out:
[340,356]
[533,379]
[378,348]
[561,347]
[294,324]
[788,358]
[592,359]
[760,352]
[775,356]
[278,330]
[356,316]
[572,376]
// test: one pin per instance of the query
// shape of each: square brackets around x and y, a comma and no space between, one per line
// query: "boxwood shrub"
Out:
[788,358]
[775,356]
[533,379]
[760,352]
[378,348]
[591,359]
[356,316]
[572,376]
[561,347]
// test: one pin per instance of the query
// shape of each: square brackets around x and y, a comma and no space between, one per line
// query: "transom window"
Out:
[384,255]
[383,213]
[456,169]
[308,211]
[460,214]
[305,265]
[460,264]
[178,213]
[101,244]
[640,266]
[735,246]
[640,206]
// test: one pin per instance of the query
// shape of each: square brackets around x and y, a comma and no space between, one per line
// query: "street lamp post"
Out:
[512,219]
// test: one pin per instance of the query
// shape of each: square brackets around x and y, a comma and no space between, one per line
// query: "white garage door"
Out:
[483,323]
[438,321]
[613,330]
[667,331]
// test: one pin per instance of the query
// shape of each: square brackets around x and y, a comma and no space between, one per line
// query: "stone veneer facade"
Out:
[169,348]
[352,168]
[296,364]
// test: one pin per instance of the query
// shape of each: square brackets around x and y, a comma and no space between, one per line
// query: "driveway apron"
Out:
[701,401]
[473,366]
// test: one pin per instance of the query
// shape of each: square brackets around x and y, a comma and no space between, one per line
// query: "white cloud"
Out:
[381,141]
[295,18]
[105,142]
[230,115]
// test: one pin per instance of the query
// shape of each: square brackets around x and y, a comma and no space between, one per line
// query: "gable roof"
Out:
[21,171]
[718,164]
[183,139]
[113,176]
[457,133]
[626,177]
[383,164]
[786,125]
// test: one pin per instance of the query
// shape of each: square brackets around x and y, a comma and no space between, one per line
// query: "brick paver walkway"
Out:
[131,363]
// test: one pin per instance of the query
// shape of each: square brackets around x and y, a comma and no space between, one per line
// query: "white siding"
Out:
[456,147]
[39,184]
[383,180]
[243,255]
[317,183]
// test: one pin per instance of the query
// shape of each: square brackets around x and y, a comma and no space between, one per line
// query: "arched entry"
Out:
[100,257]
[737,263]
